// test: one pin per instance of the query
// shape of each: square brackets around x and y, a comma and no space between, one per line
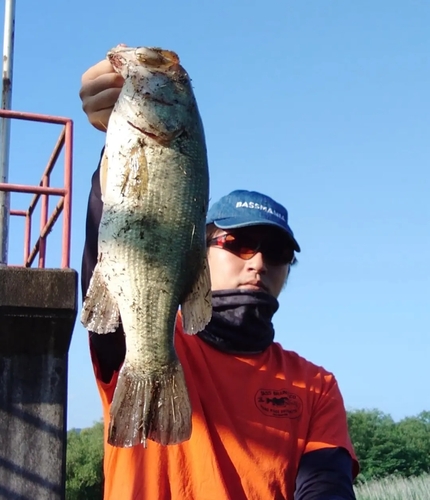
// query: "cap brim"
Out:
[236,223]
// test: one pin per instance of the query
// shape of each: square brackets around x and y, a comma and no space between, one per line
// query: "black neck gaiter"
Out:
[241,321]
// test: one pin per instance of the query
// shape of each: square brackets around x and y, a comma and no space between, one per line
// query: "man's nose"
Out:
[257,263]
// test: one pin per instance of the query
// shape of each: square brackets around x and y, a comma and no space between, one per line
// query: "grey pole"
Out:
[6,99]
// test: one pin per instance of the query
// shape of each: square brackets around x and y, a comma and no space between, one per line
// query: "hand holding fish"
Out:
[101,86]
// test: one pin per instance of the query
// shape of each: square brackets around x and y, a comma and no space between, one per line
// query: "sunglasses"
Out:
[245,246]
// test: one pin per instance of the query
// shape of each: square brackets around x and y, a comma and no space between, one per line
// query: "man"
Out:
[267,424]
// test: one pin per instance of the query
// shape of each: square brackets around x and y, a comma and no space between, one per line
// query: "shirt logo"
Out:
[279,403]
[257,206]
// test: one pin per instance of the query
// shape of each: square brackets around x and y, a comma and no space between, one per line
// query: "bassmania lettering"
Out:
[257,206]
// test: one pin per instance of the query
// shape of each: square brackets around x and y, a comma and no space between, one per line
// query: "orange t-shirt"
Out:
[253,418]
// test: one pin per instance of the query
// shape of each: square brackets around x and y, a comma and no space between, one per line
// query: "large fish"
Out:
[152,252]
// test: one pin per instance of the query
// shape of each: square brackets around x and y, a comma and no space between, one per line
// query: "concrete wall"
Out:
[37,314]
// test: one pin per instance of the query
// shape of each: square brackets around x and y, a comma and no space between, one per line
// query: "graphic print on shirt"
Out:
[279,403]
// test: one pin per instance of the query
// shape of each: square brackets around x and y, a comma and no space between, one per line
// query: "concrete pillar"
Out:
[37,314]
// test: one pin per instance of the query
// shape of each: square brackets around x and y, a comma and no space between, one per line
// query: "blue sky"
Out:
[323,105]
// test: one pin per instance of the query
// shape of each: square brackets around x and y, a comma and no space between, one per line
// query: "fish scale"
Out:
[152,252]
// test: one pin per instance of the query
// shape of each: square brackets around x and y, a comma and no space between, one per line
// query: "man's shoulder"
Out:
[300,363]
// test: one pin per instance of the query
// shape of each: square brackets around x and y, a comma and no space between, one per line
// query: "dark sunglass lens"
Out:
[245,246]
[241,245]
[288,255]
[277,254]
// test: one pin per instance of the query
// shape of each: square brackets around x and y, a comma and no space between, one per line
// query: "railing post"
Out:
[68,168]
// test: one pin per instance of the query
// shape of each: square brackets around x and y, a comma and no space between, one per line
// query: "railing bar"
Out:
[27,236]
[49,167]
[44,190]
[33,203]
[34,117]
[33,254]
[55,154]
[22,188]
[57,211]
[43,220]
[54,216]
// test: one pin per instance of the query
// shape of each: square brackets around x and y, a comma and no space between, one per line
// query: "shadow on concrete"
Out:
[21,474]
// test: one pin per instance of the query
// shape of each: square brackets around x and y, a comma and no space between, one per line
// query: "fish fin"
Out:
[151,406]
[197,307]
[136,177]
[103,173]
[100,313]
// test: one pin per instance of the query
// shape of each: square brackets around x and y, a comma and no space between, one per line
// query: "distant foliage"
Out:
[395,488]
[84,466]
[385,447]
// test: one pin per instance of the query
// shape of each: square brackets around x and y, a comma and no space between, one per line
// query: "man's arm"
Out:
[328,465]
[109,348]
[325,474]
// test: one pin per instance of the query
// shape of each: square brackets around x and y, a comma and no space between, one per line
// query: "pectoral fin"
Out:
[100,313]
[197,306]
[103,173]
[136,177]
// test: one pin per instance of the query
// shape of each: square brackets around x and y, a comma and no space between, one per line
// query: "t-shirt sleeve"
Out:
[328,427]
[325,474]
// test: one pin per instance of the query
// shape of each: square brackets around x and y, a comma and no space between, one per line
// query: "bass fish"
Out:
[152,256]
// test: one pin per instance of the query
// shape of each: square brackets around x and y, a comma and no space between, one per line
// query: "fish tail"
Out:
[100,313]
[154,406]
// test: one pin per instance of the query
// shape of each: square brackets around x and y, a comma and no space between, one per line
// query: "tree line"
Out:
[383,447]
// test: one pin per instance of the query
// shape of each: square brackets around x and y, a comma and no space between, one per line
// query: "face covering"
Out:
[241,321]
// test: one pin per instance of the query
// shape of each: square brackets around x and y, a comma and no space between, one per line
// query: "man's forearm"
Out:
[325,474]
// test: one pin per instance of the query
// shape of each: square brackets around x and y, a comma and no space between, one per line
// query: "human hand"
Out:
[100,88]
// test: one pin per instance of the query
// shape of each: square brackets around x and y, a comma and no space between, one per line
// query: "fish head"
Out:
[157,94]
[127,60]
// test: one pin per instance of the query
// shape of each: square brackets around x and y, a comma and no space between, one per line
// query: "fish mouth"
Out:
[118,56]
[117,61]
[153,58]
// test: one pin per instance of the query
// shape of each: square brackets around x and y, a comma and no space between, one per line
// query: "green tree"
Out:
[84,464]
[384,447]
[416,434]
[364,426]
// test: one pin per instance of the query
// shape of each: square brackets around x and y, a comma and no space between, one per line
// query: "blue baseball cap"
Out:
[243,208]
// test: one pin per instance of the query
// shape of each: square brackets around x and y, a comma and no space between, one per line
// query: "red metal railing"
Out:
[43,190]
